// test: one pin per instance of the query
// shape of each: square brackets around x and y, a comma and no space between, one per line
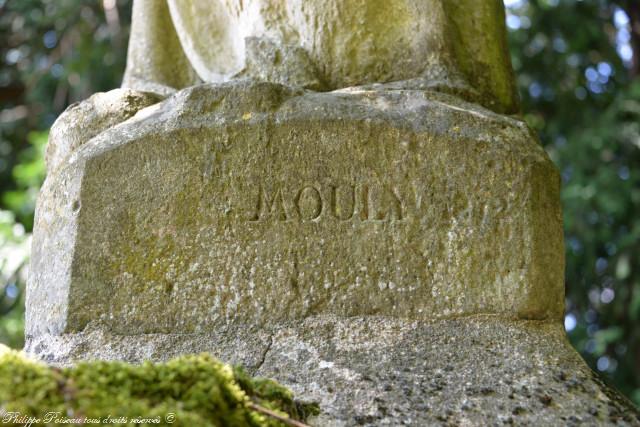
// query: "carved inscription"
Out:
[309,202]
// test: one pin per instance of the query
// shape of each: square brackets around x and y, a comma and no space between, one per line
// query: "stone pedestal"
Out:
[253,204]
[395,255]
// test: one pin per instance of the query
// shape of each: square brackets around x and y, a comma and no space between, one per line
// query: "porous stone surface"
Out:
[378,371]
[254,203]
[84,120]
[324,45]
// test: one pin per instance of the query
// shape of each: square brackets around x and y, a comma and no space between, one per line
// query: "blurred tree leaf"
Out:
[578,79]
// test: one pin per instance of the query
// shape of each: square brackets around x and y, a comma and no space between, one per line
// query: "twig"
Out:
[275,415]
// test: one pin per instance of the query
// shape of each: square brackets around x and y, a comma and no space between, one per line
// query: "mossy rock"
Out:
[186,391]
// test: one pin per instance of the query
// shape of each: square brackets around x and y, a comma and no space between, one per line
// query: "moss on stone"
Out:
[197,389]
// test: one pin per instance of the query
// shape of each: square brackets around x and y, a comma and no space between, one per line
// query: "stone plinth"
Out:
[254,204]
[395,255]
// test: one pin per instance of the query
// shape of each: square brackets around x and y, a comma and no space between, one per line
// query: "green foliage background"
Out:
[578,68]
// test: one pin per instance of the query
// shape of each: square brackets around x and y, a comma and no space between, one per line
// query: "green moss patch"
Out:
[193,390]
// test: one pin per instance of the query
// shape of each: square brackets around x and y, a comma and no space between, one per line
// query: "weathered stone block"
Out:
[252,203]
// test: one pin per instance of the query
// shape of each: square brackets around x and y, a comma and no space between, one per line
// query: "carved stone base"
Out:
[253,203]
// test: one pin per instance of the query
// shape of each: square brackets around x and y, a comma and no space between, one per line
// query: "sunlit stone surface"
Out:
[455,46]
[253,203]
